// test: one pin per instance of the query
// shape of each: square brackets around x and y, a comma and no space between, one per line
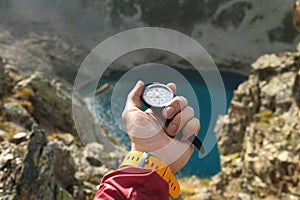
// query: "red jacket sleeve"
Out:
[133,183]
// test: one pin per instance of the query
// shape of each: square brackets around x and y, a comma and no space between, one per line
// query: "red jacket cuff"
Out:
[133,183]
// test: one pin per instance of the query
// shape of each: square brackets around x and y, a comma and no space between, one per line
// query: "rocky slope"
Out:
[41,157]
[259,142]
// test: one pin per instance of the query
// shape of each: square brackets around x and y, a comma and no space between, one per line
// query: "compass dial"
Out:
[157,95]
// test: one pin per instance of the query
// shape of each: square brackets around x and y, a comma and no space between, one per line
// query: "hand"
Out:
[148,133]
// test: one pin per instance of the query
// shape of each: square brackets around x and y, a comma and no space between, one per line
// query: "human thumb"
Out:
[134,97]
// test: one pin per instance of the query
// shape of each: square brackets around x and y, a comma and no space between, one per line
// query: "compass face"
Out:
[157,95]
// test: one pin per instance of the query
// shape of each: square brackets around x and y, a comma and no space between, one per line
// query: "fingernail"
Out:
[169,111]
[172,128]
[139,83]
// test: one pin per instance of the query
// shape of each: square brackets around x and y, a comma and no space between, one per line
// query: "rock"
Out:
[3,135]
[258,142]
[267,63]
[49,164]
[93,153]
[6,83]
[296,90]
[12,72]
[53,102]
[195,188]
[5,158]
[243,196]
[244,104]
[10,129]
[111,159]
[10,168]
[93,161]
[29,172]
[64,195]
[33,166]
[19,137]
[14,127]
[66,138]
[17,113]
[284,156]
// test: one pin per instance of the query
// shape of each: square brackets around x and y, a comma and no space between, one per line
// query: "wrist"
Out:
[145,160]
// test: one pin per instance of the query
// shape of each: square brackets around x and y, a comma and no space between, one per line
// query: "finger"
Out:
[179,121]
[176,105]
[173,87]
[191,128]
[134,97]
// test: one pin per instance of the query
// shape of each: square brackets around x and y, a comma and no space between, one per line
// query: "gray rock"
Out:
[4,158]
[19,137]
[284,156]
[5,81]
[63,195]
[261,131]
[94,152]
[10,168]
[30,172]
[53,103]
[3,135]
[48,170]
[33,166]
[66,138]
[17,113]
[296,89]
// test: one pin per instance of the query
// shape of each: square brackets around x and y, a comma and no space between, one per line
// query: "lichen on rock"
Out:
[263,128]
[41,157]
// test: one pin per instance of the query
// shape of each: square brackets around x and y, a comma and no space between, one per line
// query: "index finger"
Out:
[173,87]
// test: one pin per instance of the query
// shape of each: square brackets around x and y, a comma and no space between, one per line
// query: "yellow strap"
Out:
[134,158]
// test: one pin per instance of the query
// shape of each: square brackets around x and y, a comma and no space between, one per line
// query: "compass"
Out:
[158,95]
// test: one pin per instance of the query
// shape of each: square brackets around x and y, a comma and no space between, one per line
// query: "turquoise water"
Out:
[204,167]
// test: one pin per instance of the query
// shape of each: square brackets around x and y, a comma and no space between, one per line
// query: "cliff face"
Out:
[259,142]
[41,157]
